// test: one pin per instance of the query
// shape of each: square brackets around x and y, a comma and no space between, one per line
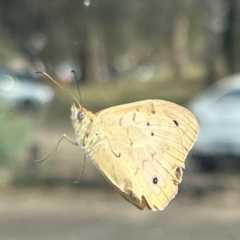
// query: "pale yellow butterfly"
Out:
[140,147]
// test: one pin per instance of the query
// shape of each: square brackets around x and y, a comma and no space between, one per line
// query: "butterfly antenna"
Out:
[83,169]
[49,77]
[77,82]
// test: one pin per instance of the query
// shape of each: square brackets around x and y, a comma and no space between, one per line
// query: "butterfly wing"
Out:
[143,150]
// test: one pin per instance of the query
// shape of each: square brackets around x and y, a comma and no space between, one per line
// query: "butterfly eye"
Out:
[80,115]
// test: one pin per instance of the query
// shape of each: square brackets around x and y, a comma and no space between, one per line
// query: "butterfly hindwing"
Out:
[146,144]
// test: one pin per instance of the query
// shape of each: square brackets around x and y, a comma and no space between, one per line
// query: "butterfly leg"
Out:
[83,168]
[55,149]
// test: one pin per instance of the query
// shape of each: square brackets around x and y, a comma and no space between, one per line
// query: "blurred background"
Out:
[184,51]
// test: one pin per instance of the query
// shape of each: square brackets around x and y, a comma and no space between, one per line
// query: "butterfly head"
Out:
[81,118]
[77,114]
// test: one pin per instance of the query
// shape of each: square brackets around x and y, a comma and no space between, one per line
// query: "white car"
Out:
[23,92]
[218,112]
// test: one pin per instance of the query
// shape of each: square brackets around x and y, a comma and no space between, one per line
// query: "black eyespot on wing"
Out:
[152,134]
[148,124]
[176,123]
[81,115]
[155,180]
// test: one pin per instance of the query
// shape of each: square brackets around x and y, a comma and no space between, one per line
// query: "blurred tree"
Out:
[107,37]
[213,13]
[231,39]
[96,34]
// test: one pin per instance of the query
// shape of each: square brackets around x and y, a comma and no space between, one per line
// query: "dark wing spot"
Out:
[148,124]
[152,134]
[176,123]
[155,180]
[178,173]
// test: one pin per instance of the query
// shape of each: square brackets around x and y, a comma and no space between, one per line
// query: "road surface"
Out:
[65,214]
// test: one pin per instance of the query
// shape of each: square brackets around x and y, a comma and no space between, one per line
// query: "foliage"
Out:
[13,130]
[112,35]
[108,38]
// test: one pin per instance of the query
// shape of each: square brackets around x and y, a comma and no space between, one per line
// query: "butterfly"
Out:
[139,147]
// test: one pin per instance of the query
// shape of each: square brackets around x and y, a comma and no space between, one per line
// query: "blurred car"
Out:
[22,91]
[218,112]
